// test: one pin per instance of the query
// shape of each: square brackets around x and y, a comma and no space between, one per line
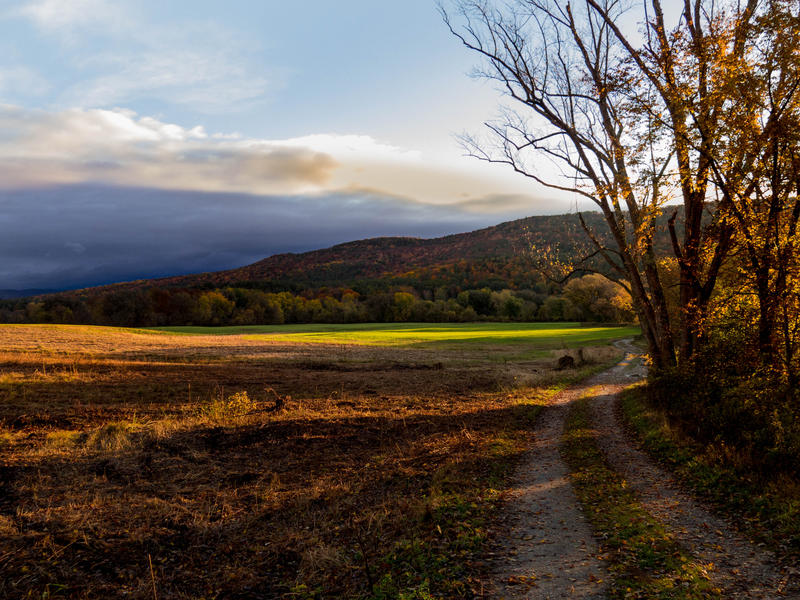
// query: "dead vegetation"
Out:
[196,467]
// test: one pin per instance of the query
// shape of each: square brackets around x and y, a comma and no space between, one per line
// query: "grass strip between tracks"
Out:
[644,559]
[768,506]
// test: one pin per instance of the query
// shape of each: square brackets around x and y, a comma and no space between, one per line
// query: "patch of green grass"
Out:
[645,559]
[769,508]
[544,335]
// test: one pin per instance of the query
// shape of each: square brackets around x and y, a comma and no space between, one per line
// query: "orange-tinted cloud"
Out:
[117,147]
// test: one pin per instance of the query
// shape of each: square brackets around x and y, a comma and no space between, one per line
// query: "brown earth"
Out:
[119,449]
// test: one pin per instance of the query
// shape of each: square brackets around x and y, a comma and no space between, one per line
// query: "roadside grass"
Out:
[645,560]
[766,506]
[374,476]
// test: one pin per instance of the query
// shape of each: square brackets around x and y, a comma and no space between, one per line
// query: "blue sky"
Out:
[265,69]
[327,120]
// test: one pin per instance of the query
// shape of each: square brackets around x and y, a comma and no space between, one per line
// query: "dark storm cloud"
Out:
[75,236]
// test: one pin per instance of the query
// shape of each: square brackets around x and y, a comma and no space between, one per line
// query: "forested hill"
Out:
[482,254]
[492,273]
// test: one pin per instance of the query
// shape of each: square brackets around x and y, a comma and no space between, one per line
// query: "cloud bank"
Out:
[118,147]
[95,196]
[77,236]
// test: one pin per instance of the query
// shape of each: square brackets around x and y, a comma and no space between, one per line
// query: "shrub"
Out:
[235,405]
[724,398]
[112,436]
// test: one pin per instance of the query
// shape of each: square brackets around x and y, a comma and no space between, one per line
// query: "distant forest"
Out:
[506,272]
[588,298]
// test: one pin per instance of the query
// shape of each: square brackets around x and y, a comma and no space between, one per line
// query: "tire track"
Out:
[548,550]
[740,568]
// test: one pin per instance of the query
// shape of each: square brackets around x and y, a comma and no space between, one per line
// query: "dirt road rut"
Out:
[545,549]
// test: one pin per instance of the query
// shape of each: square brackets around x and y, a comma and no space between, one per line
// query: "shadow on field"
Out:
[254,511]
[96,393]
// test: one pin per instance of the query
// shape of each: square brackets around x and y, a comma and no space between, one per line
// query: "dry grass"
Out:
[247,469]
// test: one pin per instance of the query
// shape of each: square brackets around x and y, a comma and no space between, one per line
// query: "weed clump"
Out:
[112,437]
[235,405]
[64,439]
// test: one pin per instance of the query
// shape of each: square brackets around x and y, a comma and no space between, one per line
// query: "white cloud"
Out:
[361,147]
[117,147]
[198,65]
[62,15]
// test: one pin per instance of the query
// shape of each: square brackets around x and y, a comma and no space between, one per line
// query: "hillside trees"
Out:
[761,174]
[599,299]
[631,121]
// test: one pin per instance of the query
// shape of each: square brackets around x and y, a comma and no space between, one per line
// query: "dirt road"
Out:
[545,548]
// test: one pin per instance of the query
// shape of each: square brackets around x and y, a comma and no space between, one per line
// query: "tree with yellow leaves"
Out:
[646,123]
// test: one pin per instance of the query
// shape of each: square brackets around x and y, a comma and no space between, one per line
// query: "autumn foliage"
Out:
[692,116]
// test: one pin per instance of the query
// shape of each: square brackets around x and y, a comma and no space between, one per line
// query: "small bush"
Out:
[235,405]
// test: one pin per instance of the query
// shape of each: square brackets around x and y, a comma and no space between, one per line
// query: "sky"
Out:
[143,138]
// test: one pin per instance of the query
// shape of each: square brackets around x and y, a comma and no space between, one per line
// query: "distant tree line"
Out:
[588,298]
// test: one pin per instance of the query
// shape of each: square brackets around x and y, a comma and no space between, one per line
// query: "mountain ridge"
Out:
[390,257]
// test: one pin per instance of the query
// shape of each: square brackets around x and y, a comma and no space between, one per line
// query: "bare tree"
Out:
[629,120]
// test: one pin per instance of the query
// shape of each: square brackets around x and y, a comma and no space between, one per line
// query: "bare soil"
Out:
[377,461]
[546,549]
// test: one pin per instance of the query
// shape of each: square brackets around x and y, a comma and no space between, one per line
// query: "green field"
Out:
[543,335]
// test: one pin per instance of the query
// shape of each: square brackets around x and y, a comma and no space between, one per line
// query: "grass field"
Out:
[261,466]
[545,336]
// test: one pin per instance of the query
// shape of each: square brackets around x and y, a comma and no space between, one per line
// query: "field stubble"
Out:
[247,468]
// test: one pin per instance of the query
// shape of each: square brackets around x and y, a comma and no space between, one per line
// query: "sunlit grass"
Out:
[543,335]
